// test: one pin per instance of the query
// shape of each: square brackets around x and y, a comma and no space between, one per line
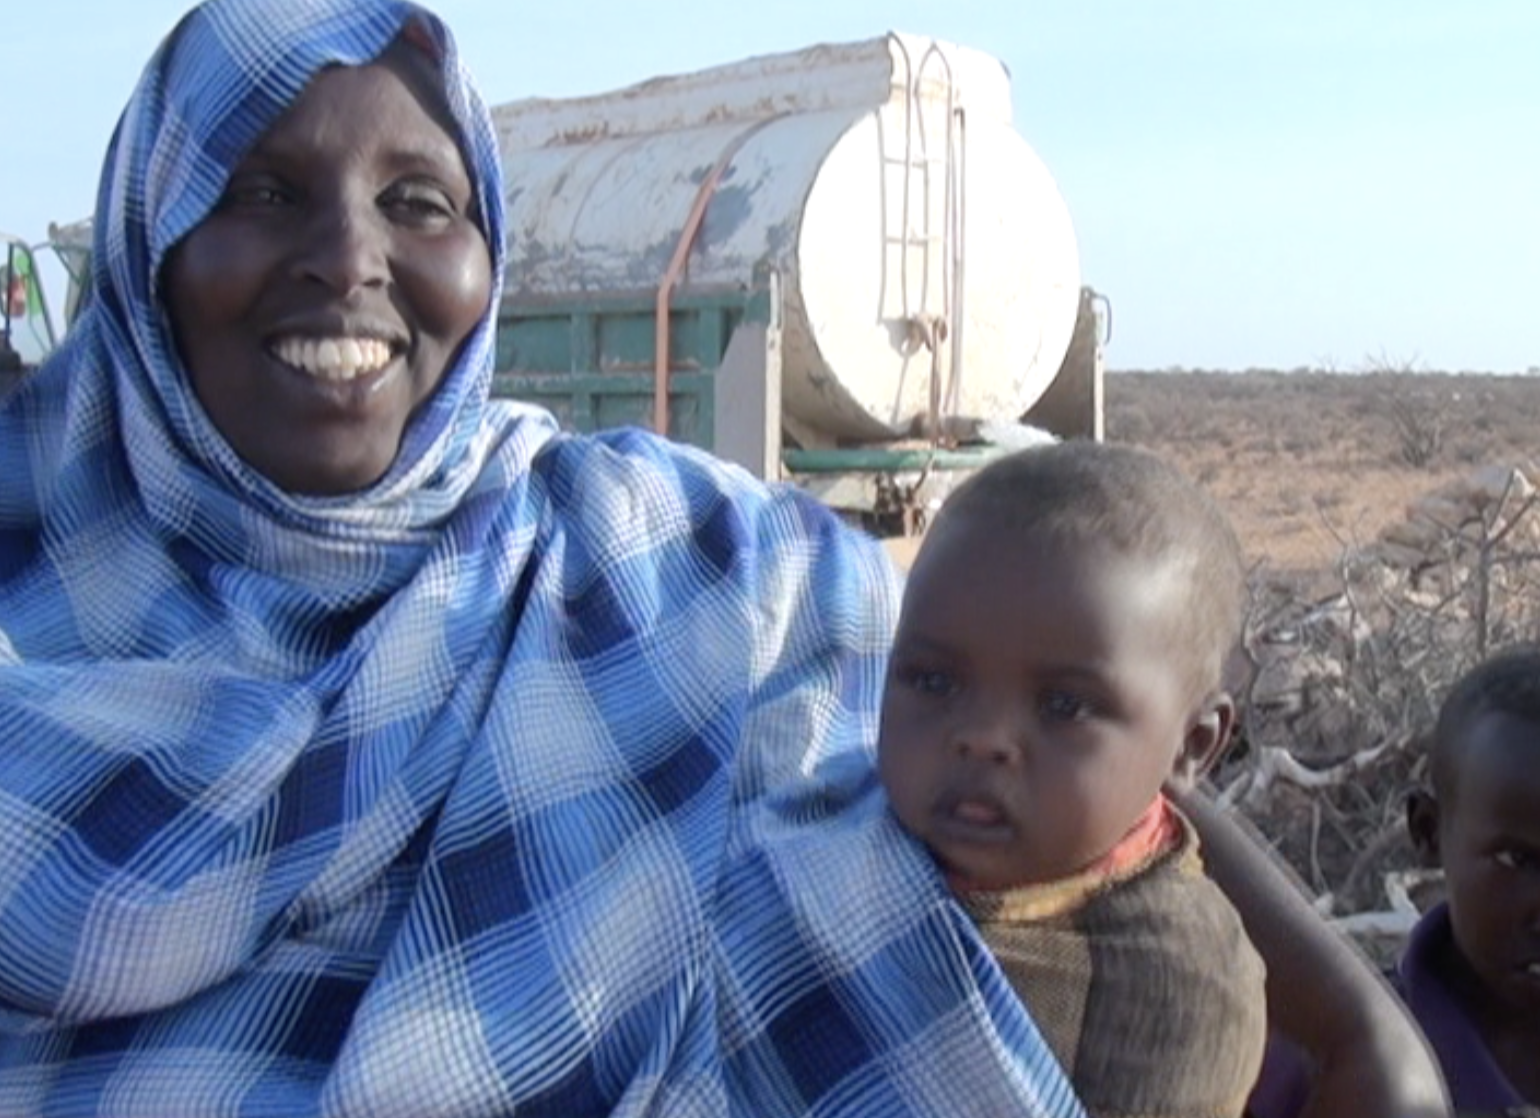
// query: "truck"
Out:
[839,266]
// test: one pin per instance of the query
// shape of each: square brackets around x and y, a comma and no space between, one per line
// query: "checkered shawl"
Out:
[534,780]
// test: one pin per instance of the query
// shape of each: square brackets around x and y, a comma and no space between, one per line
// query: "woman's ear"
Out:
[1422,816]
[1207,735]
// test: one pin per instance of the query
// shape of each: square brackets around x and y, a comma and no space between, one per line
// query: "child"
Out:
[1471,970]
[1470,973]
[1057,660]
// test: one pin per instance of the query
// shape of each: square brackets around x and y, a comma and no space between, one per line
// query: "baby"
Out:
[1058,659]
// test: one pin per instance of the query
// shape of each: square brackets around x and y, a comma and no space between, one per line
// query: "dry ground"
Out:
[1306,463]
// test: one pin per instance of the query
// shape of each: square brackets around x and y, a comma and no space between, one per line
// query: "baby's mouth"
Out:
[978,813]
[974,815]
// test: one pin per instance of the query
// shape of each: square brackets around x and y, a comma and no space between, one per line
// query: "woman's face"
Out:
[324,297]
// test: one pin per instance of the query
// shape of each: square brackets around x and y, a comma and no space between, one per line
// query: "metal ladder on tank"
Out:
[929,326]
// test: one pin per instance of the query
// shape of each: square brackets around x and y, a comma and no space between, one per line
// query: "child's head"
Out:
[1064,630]
[1482,822]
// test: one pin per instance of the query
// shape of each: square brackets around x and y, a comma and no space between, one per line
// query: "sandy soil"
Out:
[1309,464]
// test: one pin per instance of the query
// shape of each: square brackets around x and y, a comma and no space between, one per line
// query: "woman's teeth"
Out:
[333,358]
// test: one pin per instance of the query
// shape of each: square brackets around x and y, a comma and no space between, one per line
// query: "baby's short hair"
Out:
[1506,683]
[1129,503]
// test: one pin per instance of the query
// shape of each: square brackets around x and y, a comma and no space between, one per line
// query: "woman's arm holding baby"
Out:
[1372,1060]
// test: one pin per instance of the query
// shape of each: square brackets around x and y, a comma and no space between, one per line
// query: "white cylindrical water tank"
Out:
[882,180]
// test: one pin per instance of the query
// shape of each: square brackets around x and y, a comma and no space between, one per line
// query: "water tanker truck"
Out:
[841,266]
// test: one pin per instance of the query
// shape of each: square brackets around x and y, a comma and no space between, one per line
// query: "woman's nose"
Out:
[345,250]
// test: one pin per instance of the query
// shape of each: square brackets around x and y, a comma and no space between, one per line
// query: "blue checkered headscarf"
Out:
[534,780]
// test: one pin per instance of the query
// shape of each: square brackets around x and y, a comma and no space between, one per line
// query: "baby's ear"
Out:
[1422,825]
[1207,735]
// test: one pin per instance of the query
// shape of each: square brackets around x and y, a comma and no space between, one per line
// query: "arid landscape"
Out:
[1352,640]
[1309,463]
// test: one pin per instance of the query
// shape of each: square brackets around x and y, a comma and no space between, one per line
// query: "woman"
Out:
[371,749]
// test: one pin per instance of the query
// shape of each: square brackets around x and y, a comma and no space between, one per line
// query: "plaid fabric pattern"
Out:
[534,781]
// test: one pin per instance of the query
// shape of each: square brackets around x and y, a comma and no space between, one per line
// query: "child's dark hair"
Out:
[1507,683]
[1129,503]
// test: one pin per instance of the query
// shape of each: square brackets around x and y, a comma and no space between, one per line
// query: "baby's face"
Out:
[1033,706]
[1489,841]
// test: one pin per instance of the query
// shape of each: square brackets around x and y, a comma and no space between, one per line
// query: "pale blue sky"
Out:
[1253,184]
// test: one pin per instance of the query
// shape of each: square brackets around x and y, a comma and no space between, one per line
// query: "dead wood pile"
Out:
[1339,692]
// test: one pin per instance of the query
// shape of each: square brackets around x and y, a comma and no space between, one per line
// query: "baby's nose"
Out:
[990,754]
[993,745]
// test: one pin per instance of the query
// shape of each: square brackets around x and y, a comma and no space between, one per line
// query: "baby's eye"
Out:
[928,681]
[1064,706]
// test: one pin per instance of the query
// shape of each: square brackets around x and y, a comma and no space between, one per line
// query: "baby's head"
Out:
[1064,631]
[1482,822]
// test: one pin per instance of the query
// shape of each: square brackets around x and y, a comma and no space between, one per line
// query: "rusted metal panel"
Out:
[824,78]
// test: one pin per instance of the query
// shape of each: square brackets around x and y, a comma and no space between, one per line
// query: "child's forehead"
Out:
[1497,762]
[960,537]
[985,590]
[953,556]
[1500,738]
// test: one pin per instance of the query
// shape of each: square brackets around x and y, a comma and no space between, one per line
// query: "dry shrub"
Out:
[1341,690]
[1419,426]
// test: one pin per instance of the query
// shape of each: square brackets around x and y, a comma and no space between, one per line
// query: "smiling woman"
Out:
[368,747]
[324,297]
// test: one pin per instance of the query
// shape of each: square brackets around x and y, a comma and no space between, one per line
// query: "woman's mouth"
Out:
[334,359]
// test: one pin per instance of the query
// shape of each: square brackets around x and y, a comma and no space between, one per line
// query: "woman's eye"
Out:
[1063,706]
[257,195]
[420,203]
